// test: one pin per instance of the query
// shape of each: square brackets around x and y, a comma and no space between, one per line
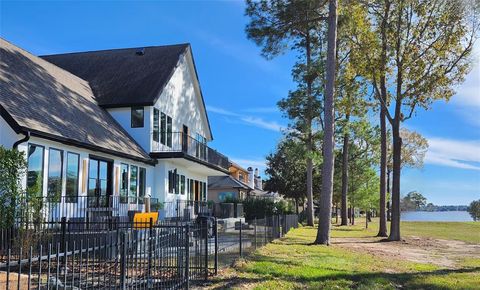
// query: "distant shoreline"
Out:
[436,216]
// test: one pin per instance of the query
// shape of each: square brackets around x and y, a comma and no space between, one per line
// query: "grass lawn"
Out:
[462,231]
[293,263]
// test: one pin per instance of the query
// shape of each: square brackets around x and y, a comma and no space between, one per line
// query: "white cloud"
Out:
[247,119]
[259,122]
[453,153]
[272,109]
[468,93]
[221,111]
[467,98]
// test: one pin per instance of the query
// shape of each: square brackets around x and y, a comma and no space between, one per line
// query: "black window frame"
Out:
[169,131]
[163,128]
[156,125]
[124,181]
[56,198]
[135,125]
[72,198]
[142,183]
[177,183]
[130,184]
[38,194]
[182,184]
[171,182]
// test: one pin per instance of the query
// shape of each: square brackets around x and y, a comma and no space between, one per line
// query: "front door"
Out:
[99,183]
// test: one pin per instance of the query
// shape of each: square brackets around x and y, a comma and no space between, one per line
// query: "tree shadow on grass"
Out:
[375,280]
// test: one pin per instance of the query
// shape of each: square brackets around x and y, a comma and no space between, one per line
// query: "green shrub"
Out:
[261,207]
[12,168]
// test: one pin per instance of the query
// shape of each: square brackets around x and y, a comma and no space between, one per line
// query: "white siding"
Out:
[181,100]
[141,135]
[161,180]
[7,135]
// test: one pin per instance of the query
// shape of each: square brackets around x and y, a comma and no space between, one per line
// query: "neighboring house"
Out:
[235,185]
[239,173]
[107,128]
[239,184]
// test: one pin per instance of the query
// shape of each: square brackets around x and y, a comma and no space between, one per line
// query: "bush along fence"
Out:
[126,255]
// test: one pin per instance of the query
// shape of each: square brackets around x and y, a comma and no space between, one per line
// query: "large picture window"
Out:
[35,170]
[133,183]
[137,115]
[156,125]
[73,168]
[123,183]
[55,166]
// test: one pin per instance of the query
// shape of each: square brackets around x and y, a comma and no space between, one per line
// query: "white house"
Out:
[103,129]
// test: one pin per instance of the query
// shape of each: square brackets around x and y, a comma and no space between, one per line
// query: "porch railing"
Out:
[181,142]
[78,208]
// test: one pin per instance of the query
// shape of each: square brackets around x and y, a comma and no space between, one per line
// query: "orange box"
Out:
[141,220]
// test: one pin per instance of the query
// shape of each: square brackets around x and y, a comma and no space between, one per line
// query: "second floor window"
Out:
[166,128]
[169,131]
[156,129]
[137,116]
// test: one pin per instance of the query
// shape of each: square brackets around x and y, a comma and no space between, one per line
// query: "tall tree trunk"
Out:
[310,211]
[336,213]
[346,137]
[324,223]
[389,212]
[366,219]
[397,151]
[382,232]
[353,216]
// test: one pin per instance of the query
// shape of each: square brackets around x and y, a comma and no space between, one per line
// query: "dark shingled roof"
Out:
[121,77]
[220,182]
[52,103]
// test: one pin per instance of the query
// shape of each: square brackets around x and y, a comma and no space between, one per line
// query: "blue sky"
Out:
[241,88]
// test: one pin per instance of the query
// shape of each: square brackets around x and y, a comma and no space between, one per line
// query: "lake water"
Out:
[436,216]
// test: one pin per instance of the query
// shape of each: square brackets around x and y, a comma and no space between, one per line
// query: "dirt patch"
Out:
[444,253]
[13,281]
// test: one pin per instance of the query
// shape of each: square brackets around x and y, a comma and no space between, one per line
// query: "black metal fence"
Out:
[238,239]
[123,255]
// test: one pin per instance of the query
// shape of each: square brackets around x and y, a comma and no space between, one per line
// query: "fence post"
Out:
[279,234]
[64,232]
[187,256]
[265,230]
[240,237]
[206,249]
[150,248]
[255,232]
[123,262]
[216,245]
